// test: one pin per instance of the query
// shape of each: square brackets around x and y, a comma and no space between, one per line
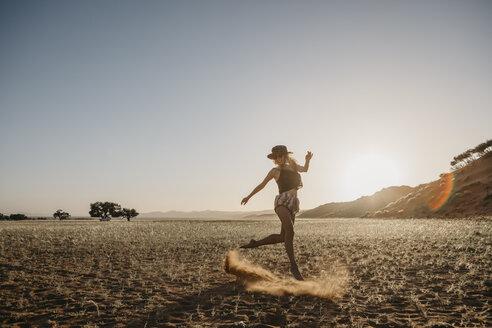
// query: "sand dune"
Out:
[465,192]
[359,207]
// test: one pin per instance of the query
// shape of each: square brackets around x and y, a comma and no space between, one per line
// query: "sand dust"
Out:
[258,279]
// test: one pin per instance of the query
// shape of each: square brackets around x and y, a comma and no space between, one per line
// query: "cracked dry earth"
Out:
[402,273]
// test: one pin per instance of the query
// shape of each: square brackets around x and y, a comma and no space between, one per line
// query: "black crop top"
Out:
[288,180]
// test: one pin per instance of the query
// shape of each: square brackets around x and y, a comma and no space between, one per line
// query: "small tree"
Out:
[3,217]
[129,213]
[483,148]
[61,215]
[17,217]
[103,210]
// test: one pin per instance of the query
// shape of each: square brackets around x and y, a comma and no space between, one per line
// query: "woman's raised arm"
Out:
[305,168]
[262,185]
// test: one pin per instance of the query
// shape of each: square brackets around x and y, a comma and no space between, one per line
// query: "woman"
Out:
[287,176]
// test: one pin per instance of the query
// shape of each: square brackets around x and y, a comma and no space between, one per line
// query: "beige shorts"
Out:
[288,200]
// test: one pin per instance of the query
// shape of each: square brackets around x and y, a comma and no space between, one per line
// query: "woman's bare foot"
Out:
[252,243]
[295,272]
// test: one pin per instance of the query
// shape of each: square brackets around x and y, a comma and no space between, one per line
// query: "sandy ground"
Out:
[400,273]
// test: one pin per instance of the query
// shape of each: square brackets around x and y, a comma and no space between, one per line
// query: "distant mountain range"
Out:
[208,214]
[464,192]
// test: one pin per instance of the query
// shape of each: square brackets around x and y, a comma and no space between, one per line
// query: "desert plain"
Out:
[386,272]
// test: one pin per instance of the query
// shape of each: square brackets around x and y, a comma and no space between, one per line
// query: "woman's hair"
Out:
[289,160]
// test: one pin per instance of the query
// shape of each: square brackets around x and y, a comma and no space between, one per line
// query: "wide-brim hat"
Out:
[278,150]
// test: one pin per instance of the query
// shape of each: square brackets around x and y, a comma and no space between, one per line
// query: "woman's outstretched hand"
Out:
[309,155]
[244,201]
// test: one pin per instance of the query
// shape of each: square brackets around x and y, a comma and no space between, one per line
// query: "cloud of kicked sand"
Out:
[258,279]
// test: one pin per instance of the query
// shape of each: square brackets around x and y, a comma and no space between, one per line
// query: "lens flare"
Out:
[443,192]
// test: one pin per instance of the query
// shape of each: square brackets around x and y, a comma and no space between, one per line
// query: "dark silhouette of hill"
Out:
[360,207]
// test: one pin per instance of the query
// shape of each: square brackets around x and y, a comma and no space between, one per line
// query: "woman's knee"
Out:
[288,231]
[289,234]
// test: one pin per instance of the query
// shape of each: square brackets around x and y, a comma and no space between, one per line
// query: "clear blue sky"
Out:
[162,105]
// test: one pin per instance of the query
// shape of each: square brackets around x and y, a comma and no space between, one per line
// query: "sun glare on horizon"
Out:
[369,173]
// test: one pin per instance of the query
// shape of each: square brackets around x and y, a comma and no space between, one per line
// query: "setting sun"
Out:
[368,173]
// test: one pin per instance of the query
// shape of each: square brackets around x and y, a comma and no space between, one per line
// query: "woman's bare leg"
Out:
[272,239]
[288,225]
